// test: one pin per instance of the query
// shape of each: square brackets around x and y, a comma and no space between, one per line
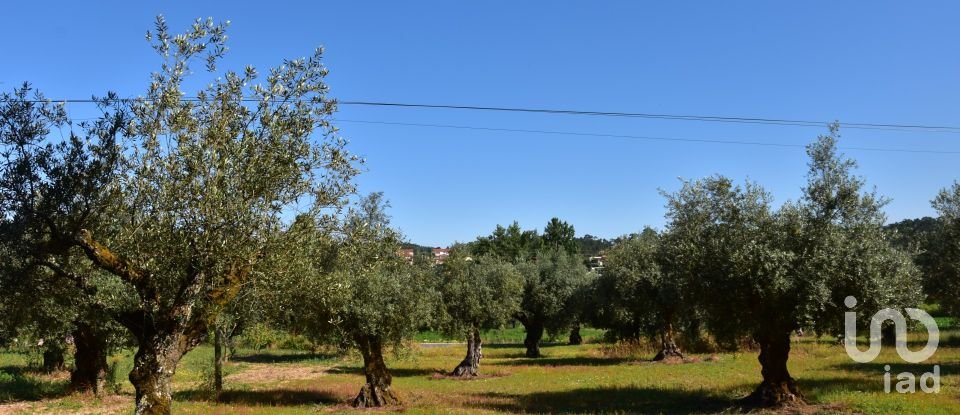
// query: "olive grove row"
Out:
[174,218]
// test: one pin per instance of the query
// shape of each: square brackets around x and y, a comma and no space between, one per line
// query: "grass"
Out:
[569,379]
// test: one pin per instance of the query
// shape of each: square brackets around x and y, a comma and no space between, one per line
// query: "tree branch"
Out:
[107,260]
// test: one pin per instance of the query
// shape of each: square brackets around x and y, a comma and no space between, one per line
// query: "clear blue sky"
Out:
[892,62]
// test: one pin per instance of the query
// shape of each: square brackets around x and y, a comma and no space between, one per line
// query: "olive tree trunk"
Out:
[53,360]
[376,392]
[575,338]
[532,339]
[153,368]
[219,357]
[778,387]
[668,347]
[470,366]
[89,360]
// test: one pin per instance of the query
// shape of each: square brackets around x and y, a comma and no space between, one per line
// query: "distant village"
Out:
[439,255]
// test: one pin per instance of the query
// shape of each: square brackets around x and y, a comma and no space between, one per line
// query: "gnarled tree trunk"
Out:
[53,357]
[668,347]
[532,339]
[777,388]
[575,337]
[376,392]
[153,368]
[470,366]
[888,335]
[89,360]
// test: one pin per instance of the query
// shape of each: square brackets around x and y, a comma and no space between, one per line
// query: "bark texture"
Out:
[532,339]
[668,347]
[154,365]
[470,366]
[778,387]
[164,331]
[89,360]
[376,392]
[575,338]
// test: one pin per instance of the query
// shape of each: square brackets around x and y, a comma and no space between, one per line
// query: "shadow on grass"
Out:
[518,345]
[560,361]
[813,389]
[397,373]
[603,400]
[280,358]
[640,400]
[271,397]
[20,384]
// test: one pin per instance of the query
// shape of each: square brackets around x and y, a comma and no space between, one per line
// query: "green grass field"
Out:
[570,379]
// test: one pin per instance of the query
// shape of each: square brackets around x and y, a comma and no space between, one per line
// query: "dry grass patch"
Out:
[274,373]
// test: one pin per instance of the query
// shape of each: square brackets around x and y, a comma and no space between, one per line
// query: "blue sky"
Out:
[882,61]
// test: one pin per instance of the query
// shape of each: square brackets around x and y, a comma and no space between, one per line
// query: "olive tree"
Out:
[636,294]
[944,252]
[360,292]
[550,282]
[200,194]
[50,189]
[552,276]
[778,271]
[477,294]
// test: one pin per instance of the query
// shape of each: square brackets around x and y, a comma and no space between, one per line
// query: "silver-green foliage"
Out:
[945,251]
[757,271]
[477,293]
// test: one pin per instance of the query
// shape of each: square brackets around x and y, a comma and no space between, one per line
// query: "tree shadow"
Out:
[813,389]
[562,361]
[269,397]
[280,358]
[518,345]
[607,400]
[397,373]
[645,400]
[21,384]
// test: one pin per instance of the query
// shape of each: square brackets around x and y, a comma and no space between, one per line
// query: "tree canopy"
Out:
[178,200]
[791,268]
[477,294]
[943,264]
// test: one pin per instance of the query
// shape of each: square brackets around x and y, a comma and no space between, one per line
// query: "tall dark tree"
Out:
[509,243]
[561,235]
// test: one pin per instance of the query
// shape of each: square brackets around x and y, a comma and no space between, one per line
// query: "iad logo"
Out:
[906,381]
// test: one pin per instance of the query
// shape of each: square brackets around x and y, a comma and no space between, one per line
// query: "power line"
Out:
[637,137]
[674,117]
[707,118]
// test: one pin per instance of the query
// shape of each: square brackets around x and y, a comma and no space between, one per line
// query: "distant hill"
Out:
[417,249]
[592,246]
[589,245]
